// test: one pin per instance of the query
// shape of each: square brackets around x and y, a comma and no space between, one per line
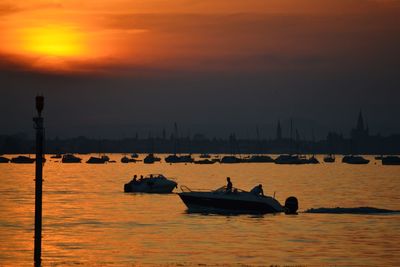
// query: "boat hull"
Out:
[201,203]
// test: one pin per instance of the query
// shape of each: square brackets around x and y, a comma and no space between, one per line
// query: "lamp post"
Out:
[38,180]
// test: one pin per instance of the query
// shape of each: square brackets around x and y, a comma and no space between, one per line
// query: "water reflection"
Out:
[88,220]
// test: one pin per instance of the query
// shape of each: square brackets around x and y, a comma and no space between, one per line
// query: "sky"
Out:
[109,69]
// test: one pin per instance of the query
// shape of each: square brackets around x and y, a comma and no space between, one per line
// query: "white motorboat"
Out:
[235,201]
[153,183]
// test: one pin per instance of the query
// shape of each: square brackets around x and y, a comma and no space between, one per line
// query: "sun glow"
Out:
[55,41]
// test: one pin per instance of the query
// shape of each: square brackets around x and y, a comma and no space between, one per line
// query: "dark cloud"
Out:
[236,71]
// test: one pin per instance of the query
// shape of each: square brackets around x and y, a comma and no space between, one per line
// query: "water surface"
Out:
[88,219]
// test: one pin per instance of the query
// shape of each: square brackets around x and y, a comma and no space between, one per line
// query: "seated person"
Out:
[228,185]
[257,190]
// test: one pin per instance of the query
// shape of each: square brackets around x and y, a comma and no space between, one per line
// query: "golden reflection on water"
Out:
[89,220]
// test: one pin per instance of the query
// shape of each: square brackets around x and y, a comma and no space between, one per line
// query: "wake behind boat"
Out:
[235,201]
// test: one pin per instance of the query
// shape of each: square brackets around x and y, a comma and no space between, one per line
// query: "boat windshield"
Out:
[234,190]
[160,176]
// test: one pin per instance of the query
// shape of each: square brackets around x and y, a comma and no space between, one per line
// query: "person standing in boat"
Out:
[228,185]
[257,190]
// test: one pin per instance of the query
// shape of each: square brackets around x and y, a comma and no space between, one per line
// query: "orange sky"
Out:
[210,34]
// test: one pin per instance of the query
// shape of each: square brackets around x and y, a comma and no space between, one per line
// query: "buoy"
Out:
[291,205]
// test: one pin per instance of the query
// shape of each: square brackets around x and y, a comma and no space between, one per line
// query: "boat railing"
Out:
[186,189]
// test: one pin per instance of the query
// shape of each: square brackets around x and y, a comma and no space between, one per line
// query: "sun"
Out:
[52,41]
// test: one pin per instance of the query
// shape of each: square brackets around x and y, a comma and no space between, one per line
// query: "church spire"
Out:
[279,131]
[360,122]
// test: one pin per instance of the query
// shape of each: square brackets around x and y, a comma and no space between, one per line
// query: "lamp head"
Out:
[39,104]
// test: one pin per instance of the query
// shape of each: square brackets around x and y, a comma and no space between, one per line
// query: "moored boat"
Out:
[352,159]
[329,158]
[4,160]
[258,159]
[290,159]
[22,160]
[230,160]
[391,160]
[179,159]
[70,158]
[204,161]
[150,158]
[96,160]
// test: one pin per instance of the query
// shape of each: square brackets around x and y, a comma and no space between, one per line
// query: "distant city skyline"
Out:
[114,69]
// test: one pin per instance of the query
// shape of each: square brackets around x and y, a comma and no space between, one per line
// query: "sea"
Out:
[88,220]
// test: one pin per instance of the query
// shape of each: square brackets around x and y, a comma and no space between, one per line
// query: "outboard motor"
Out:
[291,205]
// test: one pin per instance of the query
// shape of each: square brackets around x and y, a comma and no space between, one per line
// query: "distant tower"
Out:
[279,131]
[360,132]
[360,122]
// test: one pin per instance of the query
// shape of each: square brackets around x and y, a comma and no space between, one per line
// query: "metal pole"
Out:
[38,180]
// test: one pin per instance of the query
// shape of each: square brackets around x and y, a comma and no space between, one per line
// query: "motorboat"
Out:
[56,156]
[313,160]
[70,158]
[150,158]
[391,160]
[258,159]
[235,201]
[179,159]
[4,160]
[204,161]
[22,160]
[290,159]
[105,158]
[329,158]
[125,159]
[96,160]
[351,159]
[153,183]
[230,160]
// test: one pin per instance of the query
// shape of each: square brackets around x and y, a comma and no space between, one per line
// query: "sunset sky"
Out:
[112,68]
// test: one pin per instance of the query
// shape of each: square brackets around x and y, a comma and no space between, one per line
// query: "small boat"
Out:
[258,159]
[95,160]
[179,159]
[329,158]
[105,158]
[351,159]
[237,201]
[391,160]
[22,160]
[150,158]
[125,159]
[4,160]
[204,161]
[230,160]
[313,160]
[290,159]
[153,183]
[205,156]
[56,156]
[70,158]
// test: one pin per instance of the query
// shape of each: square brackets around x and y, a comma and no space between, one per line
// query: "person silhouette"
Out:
[228,185]
[257,190]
